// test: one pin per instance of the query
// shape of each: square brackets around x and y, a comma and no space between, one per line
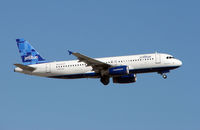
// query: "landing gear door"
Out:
[48,68]
[157,58]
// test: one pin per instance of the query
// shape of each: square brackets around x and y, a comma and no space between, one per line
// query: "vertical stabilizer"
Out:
[28,54]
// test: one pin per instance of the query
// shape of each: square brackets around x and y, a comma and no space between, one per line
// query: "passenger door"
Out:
[48,68]
[157,58]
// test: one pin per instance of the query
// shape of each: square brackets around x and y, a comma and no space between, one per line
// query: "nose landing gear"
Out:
[164,76]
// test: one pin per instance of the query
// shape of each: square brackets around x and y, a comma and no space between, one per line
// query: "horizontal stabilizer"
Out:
[25,67]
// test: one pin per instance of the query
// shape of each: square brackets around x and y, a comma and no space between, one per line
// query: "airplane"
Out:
[122,69]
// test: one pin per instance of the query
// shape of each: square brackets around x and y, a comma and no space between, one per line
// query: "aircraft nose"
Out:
[179,63]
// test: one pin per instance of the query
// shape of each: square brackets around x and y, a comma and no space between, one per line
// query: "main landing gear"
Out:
[105,80]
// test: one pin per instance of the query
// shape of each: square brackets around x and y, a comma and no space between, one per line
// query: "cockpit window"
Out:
[169,57]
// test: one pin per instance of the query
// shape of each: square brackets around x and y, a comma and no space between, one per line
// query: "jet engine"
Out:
[130,78]
[119,70]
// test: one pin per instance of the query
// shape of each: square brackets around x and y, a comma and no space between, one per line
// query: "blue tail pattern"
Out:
[28,54]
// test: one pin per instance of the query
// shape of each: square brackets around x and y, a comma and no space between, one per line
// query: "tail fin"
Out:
[28,54]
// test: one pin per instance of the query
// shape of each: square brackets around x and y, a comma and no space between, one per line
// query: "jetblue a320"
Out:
[122,69]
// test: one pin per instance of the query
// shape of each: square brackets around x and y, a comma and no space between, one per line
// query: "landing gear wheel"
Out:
[164,76]
[105,80]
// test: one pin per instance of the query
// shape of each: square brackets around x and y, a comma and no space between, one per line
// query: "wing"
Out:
[95,64]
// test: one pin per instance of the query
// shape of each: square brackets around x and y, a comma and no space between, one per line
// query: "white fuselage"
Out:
[155,62]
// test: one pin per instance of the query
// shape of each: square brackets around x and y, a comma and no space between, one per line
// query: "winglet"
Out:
[70,52]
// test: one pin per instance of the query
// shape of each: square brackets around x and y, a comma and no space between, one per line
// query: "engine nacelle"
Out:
[119,70]
[125,79]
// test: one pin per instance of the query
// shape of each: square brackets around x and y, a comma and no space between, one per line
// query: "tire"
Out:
[164,76]
[105,80]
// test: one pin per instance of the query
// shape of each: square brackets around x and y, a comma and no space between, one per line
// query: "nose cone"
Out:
[179,63]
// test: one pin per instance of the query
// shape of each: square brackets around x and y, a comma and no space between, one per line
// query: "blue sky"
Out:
[98,29]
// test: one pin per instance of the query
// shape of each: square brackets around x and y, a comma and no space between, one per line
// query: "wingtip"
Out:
[15,64]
